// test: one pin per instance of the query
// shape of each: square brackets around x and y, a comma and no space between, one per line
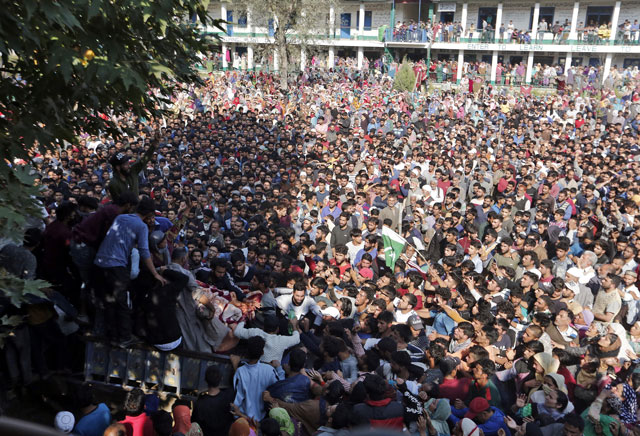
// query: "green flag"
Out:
[393,246]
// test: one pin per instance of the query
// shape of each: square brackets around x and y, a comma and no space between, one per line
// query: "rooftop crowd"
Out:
[249,222]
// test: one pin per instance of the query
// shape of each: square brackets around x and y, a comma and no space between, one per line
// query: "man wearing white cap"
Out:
[64,422]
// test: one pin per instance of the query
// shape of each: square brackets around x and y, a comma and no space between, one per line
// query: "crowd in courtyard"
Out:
[463,261]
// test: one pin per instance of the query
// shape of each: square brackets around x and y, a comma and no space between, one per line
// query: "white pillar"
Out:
[276,67]
[614,21]
[225,64]
[574,21]
[361,20]
[249,57]
[460,65]
[332,22]
[529,68]
[498,22]
[494,66]
[463,19]
[607,66]
[331,60]
[567,63]
[534,24]
[303,59]
[360,57]
[223,15]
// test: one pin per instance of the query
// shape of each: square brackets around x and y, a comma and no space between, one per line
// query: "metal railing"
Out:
[176,372]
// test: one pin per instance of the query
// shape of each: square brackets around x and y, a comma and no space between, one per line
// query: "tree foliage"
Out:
[297,25]
[72,66]
[405,77]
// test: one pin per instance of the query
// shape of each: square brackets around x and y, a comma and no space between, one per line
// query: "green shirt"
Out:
[589,429]
[118,185]
[490,392]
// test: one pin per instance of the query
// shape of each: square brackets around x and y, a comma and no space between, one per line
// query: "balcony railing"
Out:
[423,36]
[405,35]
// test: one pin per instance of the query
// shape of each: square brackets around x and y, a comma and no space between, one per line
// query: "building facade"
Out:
[594,32]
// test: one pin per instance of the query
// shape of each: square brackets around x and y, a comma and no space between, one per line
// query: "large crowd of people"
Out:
[461,262]
[547,31]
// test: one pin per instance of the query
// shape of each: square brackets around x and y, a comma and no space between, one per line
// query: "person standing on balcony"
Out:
[635,31]
[543,27]
[510,29]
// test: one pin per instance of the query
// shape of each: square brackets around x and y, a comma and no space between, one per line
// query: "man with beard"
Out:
[298,304]
[125,175]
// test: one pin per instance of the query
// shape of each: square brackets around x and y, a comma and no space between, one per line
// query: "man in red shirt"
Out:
[451,387]
[136,421]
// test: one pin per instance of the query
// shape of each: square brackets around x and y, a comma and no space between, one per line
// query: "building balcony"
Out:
[423,36]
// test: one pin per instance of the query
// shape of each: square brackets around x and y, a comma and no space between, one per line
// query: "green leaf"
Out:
[94,8]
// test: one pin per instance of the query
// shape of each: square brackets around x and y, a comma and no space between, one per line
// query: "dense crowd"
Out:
[448,263]
[556,32]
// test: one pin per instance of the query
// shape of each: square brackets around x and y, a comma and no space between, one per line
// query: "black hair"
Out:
[403,330]
[269,427]
[134,402]
[574,420]
[487,365]
[335,391]
[255,347]
[162,423]
[212,376]
[375,386]
[297,359]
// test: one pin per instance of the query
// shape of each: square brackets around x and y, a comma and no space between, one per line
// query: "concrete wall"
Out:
[380,13]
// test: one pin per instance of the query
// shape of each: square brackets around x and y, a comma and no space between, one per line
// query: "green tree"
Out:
[65,63]
[405,77]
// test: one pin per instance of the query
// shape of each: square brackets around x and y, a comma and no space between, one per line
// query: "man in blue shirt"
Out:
[443,324]
[253,378]
[113,260]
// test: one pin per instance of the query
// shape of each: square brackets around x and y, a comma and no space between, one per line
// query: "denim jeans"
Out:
[83,256]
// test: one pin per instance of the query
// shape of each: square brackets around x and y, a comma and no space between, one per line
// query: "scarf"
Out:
[283,419]
[440,415]
[182,419]
[548,363]
[627,407]
[241,427]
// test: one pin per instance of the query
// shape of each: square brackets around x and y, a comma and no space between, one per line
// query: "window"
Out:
[631,62]
[597,15]
[488,14]
[514,60]
[242,20]
[545,12]
[367,20]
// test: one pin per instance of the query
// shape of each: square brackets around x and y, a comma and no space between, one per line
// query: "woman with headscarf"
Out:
[287,426]
[438,410]
[181,419]
[624,402]
[241,427]
[542,364]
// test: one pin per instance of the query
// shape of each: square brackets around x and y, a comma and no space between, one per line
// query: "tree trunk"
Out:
[281,44]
